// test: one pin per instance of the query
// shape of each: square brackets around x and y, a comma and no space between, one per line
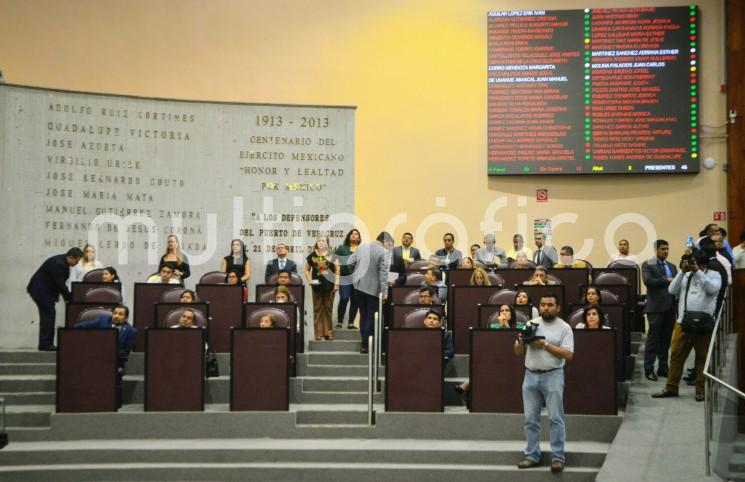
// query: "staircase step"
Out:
[331,370]
[347,335]
[334,397]
[28,398]
[28,369]
[737,462]
[334,384]
[28,415]
[459,453]
[307,471]
[348,346]
[27,356]
[334,358]
[329,417]
[27,383]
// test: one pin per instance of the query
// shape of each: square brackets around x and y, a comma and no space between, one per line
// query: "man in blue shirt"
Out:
[127,338]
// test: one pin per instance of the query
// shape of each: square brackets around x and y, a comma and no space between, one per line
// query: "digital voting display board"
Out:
[593,91]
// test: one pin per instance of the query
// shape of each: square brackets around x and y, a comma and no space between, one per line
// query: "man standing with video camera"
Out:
[547,343]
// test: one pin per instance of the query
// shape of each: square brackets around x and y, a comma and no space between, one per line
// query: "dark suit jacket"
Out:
[398,252]
[127,334]
[715,265]
[49,281]
[272,268]
[548,258]
[398,266]
[659,300]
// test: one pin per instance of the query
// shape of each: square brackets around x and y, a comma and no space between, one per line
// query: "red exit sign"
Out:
[720,216]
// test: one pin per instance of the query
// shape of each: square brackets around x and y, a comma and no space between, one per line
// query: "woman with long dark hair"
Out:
[346,290]
[237,261]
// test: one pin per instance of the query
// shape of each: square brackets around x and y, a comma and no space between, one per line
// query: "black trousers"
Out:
[659,335]
[368,306]
[47,317]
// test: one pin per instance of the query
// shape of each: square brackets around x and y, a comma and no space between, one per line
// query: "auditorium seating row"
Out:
[259,365]
[174,369]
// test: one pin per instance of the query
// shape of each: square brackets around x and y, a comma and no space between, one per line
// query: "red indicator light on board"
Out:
[693,37]
[693,99]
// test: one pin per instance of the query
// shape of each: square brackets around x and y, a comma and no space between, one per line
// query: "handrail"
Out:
[370,381]
[723,327]
[372,348]
[379,344]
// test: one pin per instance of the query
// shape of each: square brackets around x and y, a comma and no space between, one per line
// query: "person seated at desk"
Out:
[165,276]
[593,318]
[432,281]
[109,275]
[504,320]
[518,245]
[433,320]
[87,263]
[284,278]
[522,298]
[267,321]
[593,296]
[489,254]
[540,277]
[474,249]
[187,297]
[566,259]
[426,296]
[623,252]
[466,263]
[479,277]
[232,278]
[282,294]
[521,261]
[186,320]
[127,335]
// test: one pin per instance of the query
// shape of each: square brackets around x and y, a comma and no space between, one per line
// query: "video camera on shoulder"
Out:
[528,333]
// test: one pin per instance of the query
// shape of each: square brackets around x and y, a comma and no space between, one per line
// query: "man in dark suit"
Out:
[544,255]
[280,263]
[657,274]
[406,252]
[45,287]
[127,337]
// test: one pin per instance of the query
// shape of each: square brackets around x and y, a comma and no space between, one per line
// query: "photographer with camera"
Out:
[696,287]
[547,343]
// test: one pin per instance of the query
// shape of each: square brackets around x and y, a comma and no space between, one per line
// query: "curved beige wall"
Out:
[416,71]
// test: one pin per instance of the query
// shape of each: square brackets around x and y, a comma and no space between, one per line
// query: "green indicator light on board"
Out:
[588,139]
[526,169]
[693,124]
[587,71]
[693,117]
[588,157]
[693,136]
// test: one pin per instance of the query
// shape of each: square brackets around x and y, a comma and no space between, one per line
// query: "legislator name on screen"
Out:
[593,91]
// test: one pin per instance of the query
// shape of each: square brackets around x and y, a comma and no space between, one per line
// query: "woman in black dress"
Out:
[237,261]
